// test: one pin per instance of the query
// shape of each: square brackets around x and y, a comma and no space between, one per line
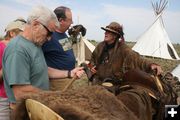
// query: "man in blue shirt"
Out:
[58,51]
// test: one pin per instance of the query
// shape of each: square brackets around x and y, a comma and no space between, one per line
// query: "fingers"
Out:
[93,70]
[157,68]
[77,69]
[79,74]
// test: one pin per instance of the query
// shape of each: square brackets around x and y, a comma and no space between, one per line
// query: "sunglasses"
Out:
[49,33]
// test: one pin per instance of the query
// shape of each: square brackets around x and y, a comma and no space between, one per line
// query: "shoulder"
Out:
[125,50]
[20,42]
[57,35]
[101,44]
[20,45]
[124,47]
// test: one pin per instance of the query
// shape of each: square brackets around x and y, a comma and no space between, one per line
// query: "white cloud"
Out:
[51,4]
[92,21]
[135,20]
[8,15]
[131,18]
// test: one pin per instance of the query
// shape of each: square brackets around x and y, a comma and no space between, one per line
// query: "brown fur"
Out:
[90,103]
[138,101]
[96,103]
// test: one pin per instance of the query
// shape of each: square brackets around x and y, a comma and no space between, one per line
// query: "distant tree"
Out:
[93,42]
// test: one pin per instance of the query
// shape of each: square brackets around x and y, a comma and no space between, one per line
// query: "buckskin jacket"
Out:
[121,59]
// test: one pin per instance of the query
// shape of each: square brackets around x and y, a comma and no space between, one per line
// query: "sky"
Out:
[135,15]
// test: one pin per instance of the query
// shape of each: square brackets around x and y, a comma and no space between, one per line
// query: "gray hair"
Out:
[43,15]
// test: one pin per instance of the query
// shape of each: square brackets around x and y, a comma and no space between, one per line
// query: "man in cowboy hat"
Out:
[112,57]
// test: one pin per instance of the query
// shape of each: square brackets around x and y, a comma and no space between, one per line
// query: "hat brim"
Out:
[110,30]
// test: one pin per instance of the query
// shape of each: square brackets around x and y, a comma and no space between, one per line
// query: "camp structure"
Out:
[83,50]
[154,42]
[176,72]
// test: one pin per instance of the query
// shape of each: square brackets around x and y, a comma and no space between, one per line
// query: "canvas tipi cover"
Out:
[176,72]
[155,42]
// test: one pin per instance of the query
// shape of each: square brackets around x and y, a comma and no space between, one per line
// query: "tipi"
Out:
[154,41]
[176,72]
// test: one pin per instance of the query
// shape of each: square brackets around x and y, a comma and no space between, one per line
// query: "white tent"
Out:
[176,72]
[154,41]
[83,50]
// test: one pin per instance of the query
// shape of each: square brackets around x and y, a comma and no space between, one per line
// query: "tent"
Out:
[176,72]
[154,41]
[83,50]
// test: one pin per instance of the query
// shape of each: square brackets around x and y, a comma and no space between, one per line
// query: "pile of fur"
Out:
[90,103]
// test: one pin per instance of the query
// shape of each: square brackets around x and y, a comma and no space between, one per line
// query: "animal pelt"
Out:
[88,103]
[138,101]
[173,81]
[75,30]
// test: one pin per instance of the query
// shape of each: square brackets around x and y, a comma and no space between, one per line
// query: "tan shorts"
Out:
[59,84]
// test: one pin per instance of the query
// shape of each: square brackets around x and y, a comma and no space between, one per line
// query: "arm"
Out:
[21,90]
[133,60]
[55,73]
[95,57]
[92,63]
[75,73]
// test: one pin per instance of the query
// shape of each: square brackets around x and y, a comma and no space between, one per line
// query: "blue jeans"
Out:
[4,109]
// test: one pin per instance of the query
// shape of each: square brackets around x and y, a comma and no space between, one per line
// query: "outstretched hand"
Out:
[158,70]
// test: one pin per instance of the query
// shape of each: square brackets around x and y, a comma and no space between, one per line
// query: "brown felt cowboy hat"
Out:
[114,27]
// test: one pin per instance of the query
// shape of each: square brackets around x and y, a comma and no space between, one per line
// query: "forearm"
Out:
[22,90]
[134,60]
[55,73]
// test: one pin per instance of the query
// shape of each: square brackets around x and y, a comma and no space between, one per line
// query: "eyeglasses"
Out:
[49,33]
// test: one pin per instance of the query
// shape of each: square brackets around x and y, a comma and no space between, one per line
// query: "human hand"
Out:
[158,70]
[93,70]
[77,72]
